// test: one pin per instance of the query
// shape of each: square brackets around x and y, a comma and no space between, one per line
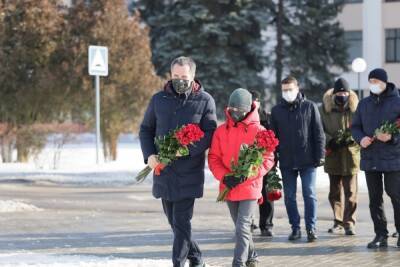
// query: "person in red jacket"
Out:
[241,126]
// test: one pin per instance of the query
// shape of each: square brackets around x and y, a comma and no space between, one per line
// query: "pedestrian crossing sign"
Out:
[98,60]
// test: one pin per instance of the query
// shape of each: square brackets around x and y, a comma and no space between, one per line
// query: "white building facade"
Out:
[372,31]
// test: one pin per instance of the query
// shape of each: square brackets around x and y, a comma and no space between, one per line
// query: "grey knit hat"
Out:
[240,98]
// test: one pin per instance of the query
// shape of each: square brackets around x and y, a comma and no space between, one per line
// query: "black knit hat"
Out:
[379,74]
[341,85]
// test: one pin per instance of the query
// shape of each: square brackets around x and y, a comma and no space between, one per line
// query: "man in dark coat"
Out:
[380,152]
[297,124]
[182,101]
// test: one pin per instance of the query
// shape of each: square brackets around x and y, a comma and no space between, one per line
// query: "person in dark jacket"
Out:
[380,152]
[266,208]
[297,124]
[342,155]
[182,101]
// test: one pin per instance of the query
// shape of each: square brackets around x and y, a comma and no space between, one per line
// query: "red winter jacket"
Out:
[225,145]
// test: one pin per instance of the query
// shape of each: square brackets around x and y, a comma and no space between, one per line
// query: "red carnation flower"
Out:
[267,140]
[398,123]
[273,195]
[189,134]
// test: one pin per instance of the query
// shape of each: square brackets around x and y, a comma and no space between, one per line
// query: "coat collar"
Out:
[390,91]
[329,101]
[295,104]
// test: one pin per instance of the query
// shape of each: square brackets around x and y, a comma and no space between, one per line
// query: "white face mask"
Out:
[375,89]
[289,96]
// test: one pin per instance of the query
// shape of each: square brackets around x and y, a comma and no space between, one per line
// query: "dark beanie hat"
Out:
[341,85]
[240,98]
[379,74]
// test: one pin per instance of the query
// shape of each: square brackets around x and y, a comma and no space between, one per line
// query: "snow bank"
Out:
[16,206]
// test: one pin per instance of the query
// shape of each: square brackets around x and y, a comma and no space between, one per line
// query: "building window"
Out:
[393,45]
[354,44]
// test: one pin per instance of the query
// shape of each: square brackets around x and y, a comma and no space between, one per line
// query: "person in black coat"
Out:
[380,152]
[297,124]
[266,209]
[182,101]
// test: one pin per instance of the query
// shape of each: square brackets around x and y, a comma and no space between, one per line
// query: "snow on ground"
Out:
[77,165]
[46,260]
[16,206]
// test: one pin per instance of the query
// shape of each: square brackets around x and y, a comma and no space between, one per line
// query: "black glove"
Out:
[333,145]
[233,181]
[349,142]
[321,162]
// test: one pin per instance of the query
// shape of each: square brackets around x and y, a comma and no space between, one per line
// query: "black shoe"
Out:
[350,231]
[311,236]
[398,242]
[201,264]
[252,263]
[378,242]
[296,234]
[336,229]
[266,233]
[253,227]
[395,234]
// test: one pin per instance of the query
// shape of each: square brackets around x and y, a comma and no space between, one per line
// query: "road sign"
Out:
[98,60]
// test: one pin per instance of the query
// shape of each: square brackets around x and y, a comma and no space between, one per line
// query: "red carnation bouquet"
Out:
[170,146]
[388,128]
[274,190]
[251,157]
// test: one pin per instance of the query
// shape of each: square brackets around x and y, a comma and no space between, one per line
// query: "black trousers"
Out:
[376,181]
[179,215]
[266,209]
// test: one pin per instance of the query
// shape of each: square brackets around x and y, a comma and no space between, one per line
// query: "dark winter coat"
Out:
[371,113]
[301,136]
[344,160]
[166,111]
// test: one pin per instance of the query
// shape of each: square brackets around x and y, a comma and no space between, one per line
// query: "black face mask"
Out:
[237,116]
[182,86]
[341,100]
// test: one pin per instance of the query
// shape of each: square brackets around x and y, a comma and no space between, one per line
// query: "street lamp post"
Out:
[359,65]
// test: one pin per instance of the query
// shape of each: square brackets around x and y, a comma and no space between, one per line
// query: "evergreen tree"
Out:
[223,37]
[315,49]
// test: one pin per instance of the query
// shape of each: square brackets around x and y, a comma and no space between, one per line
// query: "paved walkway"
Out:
[128,222]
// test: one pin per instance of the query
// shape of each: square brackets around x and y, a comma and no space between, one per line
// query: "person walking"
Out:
[342,161]
[380,151]
[241,127]
[182,101]
[297,124]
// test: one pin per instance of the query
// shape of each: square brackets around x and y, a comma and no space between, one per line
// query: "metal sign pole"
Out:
[97,77]
[98,66]
[359,86]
